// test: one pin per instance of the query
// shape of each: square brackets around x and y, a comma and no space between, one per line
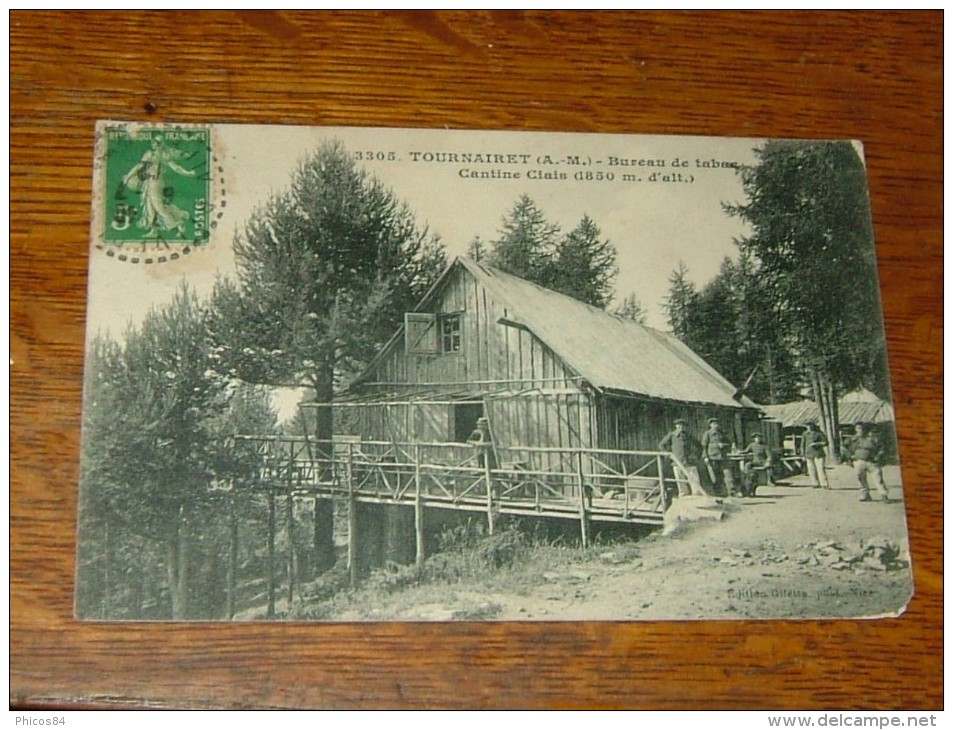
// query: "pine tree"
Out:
[477,249]
[584,265]
[631,308]
[763,348]
[732,325]
[158,464]
[713,326]
[812,241]
[149,453]
[526,244]
[580,264]
[326,270]
[680,303]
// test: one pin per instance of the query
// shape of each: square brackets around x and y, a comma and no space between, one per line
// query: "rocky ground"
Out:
[790,552]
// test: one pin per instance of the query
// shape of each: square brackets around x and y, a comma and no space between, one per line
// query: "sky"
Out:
[657,199]
[652,224]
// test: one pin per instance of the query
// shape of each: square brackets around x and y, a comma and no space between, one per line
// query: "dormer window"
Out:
[450,333]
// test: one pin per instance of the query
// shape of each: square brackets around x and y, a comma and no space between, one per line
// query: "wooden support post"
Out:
[352,522]
[271,552]
[661,481]
[488,480]
[625,490]
[418,509]
[325,554]
[292,558]
[583,507]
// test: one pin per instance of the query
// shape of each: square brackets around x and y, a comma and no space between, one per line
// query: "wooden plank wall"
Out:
[489,351]
[551,420]
[403,422]
[521,411]
[530,402]
[637,424]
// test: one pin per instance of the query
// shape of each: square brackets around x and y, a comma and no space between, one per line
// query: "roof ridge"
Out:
[494,271]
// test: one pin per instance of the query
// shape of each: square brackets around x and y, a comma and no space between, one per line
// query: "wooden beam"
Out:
[352,522]
[418,511]
[289,519]
[445,383]
[324,550]
[488,480]
[583,502]
[271,554]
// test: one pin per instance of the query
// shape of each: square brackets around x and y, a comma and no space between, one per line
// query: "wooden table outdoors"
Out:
[876,77]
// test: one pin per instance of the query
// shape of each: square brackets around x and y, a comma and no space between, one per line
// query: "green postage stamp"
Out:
[157,185]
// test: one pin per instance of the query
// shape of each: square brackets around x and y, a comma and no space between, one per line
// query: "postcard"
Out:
[355,374]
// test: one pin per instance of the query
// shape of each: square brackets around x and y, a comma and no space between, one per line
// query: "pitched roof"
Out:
[795,413]
[608,351]
[865,412]
[858,406]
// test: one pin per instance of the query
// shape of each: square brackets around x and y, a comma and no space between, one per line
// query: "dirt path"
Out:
[771,557]
[790,552]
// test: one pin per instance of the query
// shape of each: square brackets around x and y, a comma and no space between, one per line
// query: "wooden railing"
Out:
[591,484]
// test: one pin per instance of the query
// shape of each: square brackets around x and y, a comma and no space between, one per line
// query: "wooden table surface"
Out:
[876,77]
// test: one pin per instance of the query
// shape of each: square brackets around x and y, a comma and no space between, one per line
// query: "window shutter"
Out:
[420,333]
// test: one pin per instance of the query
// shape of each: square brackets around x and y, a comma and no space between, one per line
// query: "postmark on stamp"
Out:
[157,189]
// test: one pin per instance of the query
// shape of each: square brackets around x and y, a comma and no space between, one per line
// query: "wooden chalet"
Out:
[576,400]
[548,372]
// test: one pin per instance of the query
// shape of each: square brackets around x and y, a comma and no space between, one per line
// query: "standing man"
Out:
[760,460]
[482,443]
[814,448]
[866,451]
[716,448]
[685,451]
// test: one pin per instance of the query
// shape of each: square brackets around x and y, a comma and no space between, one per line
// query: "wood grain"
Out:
[876,77]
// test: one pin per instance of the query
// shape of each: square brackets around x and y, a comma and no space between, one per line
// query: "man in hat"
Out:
[685,450]
[758,460]
[716,449]
[814,447]
[482,443]
[866,452]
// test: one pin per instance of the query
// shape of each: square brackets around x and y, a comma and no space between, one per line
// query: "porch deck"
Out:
[574,483]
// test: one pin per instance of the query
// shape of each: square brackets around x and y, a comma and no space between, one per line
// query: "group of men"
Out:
[716,451]
[864,450]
